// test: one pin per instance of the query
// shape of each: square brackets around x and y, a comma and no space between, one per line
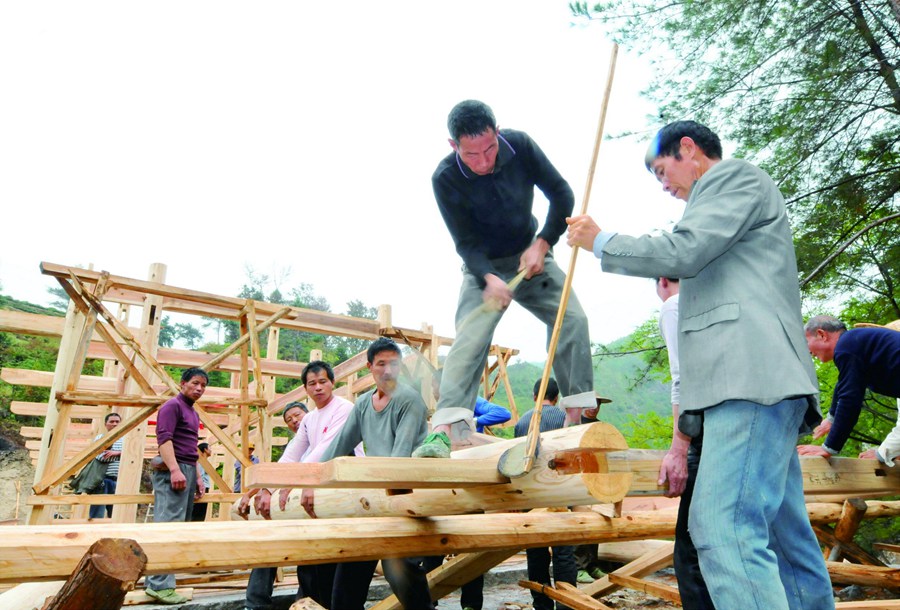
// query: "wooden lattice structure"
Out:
[135,383]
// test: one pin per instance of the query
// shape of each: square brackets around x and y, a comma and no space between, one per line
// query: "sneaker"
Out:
[436,445]
[597,573]
[166,596]
[584,577]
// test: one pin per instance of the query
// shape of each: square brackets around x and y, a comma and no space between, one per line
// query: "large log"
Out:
[575,466]
[108,570]
[554,481]
[49,552]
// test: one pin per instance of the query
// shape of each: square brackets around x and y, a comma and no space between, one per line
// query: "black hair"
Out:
[190,373]
[552,392]
[381,344]
[314,367]
[672,280]
[202,447]
[667,142]
[108,415]
[470,118]
[300,405]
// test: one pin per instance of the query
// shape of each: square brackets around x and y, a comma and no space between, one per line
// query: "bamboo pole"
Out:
[511,466]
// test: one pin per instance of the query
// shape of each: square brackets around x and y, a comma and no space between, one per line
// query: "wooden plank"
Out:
[122,400]
[872,604]
[182,299]
[51,552]
[656,589]
[651,562]
[377,473]
[573,599]
[95,499]
[39,409]
[22,323]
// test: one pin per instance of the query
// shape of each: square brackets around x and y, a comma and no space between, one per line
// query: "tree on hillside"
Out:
[809,91]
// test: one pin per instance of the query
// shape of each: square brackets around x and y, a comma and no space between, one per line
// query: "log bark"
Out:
[108,570]
[852,514]
[866,576]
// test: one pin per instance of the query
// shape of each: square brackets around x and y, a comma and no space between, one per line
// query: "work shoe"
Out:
[436,445]
[597,573]
[584,577]
[166,596]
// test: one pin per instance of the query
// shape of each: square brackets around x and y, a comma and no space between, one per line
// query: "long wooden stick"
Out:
[534,428]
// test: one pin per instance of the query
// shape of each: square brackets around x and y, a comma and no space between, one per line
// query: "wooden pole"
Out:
[511,466]
[51,552]
[852,515]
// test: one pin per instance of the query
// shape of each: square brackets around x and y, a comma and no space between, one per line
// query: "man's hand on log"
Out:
[283,498]
[263,504]
[812,450]
[307,500]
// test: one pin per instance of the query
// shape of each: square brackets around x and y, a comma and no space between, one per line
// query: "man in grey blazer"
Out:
[744,366]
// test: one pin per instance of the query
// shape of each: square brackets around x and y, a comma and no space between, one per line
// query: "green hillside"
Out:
[614,378]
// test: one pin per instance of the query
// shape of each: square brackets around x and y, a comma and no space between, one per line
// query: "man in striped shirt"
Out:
[112,457]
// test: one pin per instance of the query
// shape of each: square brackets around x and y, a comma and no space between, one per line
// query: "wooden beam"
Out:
[656,589]
[52,552]
[377,473]
[849,549]
[851,516]
[102,398]
[101,499]
[651,562]
[576,599]
[207,304]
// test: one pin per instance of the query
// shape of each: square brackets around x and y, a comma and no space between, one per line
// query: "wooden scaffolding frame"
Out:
[135,382]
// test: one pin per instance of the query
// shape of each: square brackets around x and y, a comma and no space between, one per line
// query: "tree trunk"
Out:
[108,570]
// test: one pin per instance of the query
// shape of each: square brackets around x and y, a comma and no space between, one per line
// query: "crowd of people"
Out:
[743,384]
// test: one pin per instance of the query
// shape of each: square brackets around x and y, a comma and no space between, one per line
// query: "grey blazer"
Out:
[740,327]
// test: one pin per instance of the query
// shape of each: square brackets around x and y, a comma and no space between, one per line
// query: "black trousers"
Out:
[406,577]
[564,570]
[471,593]
[691,586]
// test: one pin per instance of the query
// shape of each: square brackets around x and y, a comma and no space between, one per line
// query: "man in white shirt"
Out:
[313,436]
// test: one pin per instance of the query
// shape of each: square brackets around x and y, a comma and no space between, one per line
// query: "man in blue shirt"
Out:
[866,358]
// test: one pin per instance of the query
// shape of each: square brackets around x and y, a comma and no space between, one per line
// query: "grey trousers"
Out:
[170,506]
[572,364]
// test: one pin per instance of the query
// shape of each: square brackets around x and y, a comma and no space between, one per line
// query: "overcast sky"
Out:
[212,136]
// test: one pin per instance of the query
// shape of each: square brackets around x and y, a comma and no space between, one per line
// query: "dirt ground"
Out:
[16,478]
